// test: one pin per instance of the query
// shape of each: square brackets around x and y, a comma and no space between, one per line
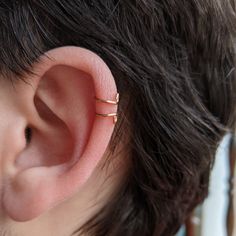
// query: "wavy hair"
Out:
[174,66]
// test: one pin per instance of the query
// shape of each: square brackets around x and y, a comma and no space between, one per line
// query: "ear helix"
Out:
[111,102]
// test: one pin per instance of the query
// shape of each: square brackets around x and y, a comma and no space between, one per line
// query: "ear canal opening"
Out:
[48,145]
[28,135]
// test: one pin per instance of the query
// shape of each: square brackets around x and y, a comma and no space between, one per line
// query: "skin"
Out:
[54,183]
[74,211]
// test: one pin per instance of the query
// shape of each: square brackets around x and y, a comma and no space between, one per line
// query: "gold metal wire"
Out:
[116,102]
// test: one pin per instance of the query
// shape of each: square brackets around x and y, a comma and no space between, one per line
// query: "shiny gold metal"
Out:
[114,115]
[116,102]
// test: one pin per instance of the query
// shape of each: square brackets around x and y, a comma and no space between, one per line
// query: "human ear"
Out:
[65,137]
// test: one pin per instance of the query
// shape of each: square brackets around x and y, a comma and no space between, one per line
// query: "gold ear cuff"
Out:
[116,102]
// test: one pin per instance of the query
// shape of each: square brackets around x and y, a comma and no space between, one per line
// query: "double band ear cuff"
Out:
[116,102]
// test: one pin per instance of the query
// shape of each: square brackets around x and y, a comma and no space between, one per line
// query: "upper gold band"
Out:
[109,101]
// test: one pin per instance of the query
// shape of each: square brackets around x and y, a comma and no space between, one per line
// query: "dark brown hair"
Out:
[173,61]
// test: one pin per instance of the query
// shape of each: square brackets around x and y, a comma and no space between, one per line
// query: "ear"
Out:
[65,137]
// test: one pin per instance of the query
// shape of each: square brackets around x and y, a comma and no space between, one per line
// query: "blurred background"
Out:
[217,215]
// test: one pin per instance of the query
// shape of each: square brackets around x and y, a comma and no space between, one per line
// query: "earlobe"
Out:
[73,120]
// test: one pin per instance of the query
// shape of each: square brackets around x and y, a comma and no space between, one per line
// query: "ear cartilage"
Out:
[116,102]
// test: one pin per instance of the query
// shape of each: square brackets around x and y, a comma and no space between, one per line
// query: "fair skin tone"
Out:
[54,183]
